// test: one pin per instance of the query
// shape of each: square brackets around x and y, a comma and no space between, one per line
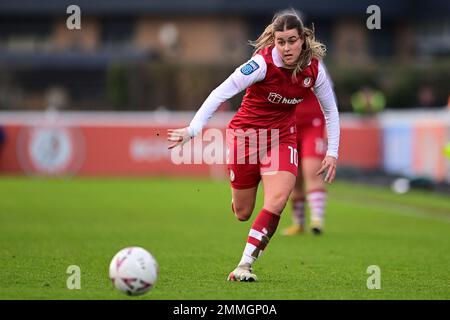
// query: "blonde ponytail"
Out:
[266,39]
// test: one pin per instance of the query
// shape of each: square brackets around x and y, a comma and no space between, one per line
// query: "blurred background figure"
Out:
[368,101]
[426,96]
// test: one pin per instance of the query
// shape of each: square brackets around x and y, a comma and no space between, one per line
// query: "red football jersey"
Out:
[271,103]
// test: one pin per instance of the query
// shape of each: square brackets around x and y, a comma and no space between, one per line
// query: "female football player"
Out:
[284,69]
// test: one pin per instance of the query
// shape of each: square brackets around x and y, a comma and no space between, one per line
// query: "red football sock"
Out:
[263,228]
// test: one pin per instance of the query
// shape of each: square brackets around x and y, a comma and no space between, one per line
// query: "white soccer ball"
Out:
[133,271]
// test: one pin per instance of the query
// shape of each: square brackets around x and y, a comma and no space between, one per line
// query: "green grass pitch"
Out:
[47,225]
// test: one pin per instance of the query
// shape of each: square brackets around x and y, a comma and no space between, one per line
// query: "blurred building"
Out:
[40,55]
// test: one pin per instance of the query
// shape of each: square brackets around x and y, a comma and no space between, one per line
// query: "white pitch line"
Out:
[398,209]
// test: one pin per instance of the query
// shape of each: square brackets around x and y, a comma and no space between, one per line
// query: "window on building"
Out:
[433,38]
[117,32]
[25,34]
[382,41]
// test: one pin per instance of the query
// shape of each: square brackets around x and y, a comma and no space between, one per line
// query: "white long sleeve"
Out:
[244,76]
[325,95]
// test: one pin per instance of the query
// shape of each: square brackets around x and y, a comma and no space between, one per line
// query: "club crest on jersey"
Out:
[307,82]
[232,176]
[249,68]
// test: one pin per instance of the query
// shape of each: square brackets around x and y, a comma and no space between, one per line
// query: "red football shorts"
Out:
[252,153]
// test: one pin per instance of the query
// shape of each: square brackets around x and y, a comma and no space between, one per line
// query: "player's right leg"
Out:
[244,177]
[277,188]
[243,202]
[244,186]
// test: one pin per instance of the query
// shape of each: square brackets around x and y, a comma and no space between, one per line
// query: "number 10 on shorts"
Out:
[294,155]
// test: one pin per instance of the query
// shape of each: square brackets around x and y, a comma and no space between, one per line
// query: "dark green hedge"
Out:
[185,86]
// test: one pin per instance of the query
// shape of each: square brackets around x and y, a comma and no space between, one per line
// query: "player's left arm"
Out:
[325,94]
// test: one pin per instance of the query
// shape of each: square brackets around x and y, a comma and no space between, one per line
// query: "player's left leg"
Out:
[277,188]
[243,202]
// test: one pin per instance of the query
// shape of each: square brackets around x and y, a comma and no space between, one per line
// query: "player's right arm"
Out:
[243,77]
